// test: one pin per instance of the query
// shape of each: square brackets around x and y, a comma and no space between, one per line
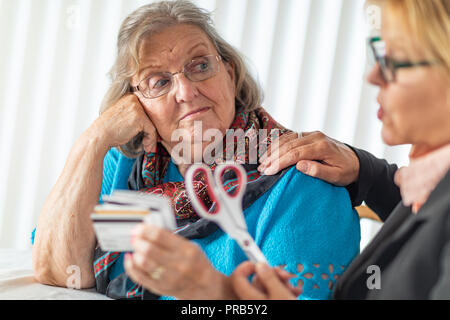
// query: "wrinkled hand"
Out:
[268,283]
[169,265]
[314,154]
[125,120]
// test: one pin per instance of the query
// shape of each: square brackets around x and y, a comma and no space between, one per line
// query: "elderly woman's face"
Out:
[211,102]
[415,108]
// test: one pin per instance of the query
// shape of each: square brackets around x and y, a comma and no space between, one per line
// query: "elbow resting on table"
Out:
[46,271]
[43,272]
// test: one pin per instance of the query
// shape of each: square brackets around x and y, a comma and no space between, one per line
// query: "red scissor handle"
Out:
[240,174]
[209,184]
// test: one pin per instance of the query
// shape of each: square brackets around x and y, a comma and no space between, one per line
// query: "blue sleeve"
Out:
[110,164]
[310,227]
[116,170]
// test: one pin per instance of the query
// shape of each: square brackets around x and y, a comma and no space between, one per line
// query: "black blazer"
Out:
[411,251]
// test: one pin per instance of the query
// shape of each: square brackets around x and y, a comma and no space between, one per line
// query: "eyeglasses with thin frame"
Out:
[199,69]
[388,65]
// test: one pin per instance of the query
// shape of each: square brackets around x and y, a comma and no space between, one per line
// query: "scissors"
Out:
[227,208]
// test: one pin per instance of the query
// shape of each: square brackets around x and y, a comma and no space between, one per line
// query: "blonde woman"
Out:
[410,256]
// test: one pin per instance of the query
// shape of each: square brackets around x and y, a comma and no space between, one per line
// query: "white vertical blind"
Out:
[308,55]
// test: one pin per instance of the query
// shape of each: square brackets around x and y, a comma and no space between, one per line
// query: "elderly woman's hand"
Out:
[268,283]
[125,120]
[169,265]
[314,154]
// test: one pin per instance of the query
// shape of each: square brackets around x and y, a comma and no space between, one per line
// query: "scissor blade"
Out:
[255,257]
[249,246]
[234,213]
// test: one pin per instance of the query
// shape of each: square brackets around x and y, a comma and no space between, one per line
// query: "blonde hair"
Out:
[429,22]
[153,18]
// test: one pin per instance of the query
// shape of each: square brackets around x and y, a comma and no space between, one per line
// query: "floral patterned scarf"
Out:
[155,165]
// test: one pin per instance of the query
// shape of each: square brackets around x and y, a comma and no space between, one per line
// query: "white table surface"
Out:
[17,281]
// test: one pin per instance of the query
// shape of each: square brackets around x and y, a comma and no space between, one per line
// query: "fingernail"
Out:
[288,274]
[134,231]
[269,172]
[138,229]
[303,167]
[262,267]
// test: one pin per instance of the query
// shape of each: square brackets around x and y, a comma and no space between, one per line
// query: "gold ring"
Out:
[157,273]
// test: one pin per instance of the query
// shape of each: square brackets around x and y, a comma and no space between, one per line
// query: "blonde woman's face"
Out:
[415,109]
[211,102]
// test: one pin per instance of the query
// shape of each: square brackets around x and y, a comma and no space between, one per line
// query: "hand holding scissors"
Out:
[226,210]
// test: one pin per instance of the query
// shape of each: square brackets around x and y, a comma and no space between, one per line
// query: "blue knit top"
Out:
[302,223]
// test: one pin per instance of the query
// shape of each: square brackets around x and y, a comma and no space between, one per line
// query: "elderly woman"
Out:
[410,256]
[172,72]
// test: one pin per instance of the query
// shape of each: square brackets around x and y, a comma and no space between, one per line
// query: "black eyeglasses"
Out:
[159,84]
[389,66]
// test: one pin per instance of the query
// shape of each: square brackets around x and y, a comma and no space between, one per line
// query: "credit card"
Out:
[114,220]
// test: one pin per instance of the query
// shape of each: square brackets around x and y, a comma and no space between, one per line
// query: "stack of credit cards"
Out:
[122,211]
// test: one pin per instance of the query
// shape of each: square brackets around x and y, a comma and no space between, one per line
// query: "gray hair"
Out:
[152,18]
